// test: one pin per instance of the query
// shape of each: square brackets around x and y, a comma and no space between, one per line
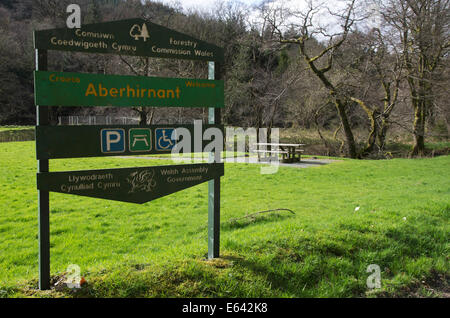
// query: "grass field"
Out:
[158,249]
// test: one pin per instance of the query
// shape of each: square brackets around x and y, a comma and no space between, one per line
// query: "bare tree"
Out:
[141,67]
[343,74]
[307,31]
[422,30]
[374,76]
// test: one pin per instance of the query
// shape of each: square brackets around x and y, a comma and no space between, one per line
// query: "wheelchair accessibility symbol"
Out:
[164,139]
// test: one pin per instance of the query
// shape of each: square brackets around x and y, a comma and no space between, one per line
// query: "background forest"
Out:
[359,76]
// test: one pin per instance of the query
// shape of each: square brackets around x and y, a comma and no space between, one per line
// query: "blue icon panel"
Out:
[113,140]
[163,139]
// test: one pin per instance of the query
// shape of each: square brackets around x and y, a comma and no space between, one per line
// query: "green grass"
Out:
[158,249]
[6,128]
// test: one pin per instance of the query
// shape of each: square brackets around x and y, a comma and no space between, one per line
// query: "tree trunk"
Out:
[422,103]
[372,134]
[150,119]
[350,139]
[382,134]
[142,117]
[419,129]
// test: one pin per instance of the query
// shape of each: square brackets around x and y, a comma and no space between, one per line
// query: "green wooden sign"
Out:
[80,89]
[136,37]
[135,185]
[112,140]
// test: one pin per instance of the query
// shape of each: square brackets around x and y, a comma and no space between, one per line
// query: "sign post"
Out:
[42,119]
[213,185]
[135,37]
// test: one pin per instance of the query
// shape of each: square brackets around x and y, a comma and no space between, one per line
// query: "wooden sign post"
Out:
[135,37]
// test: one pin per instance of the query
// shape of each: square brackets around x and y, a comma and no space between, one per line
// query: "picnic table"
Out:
[289,152]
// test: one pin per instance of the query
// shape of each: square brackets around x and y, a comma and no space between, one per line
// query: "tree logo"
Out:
[139,32]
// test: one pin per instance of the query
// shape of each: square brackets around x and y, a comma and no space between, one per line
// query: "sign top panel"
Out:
[135,37]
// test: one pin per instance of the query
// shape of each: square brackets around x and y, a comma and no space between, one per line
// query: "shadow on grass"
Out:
[314,163]
[329,265]
[300,273]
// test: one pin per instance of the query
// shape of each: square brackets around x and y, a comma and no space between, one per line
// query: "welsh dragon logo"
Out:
[141,181]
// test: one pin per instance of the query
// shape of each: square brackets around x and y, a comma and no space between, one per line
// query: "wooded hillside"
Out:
[283,67]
